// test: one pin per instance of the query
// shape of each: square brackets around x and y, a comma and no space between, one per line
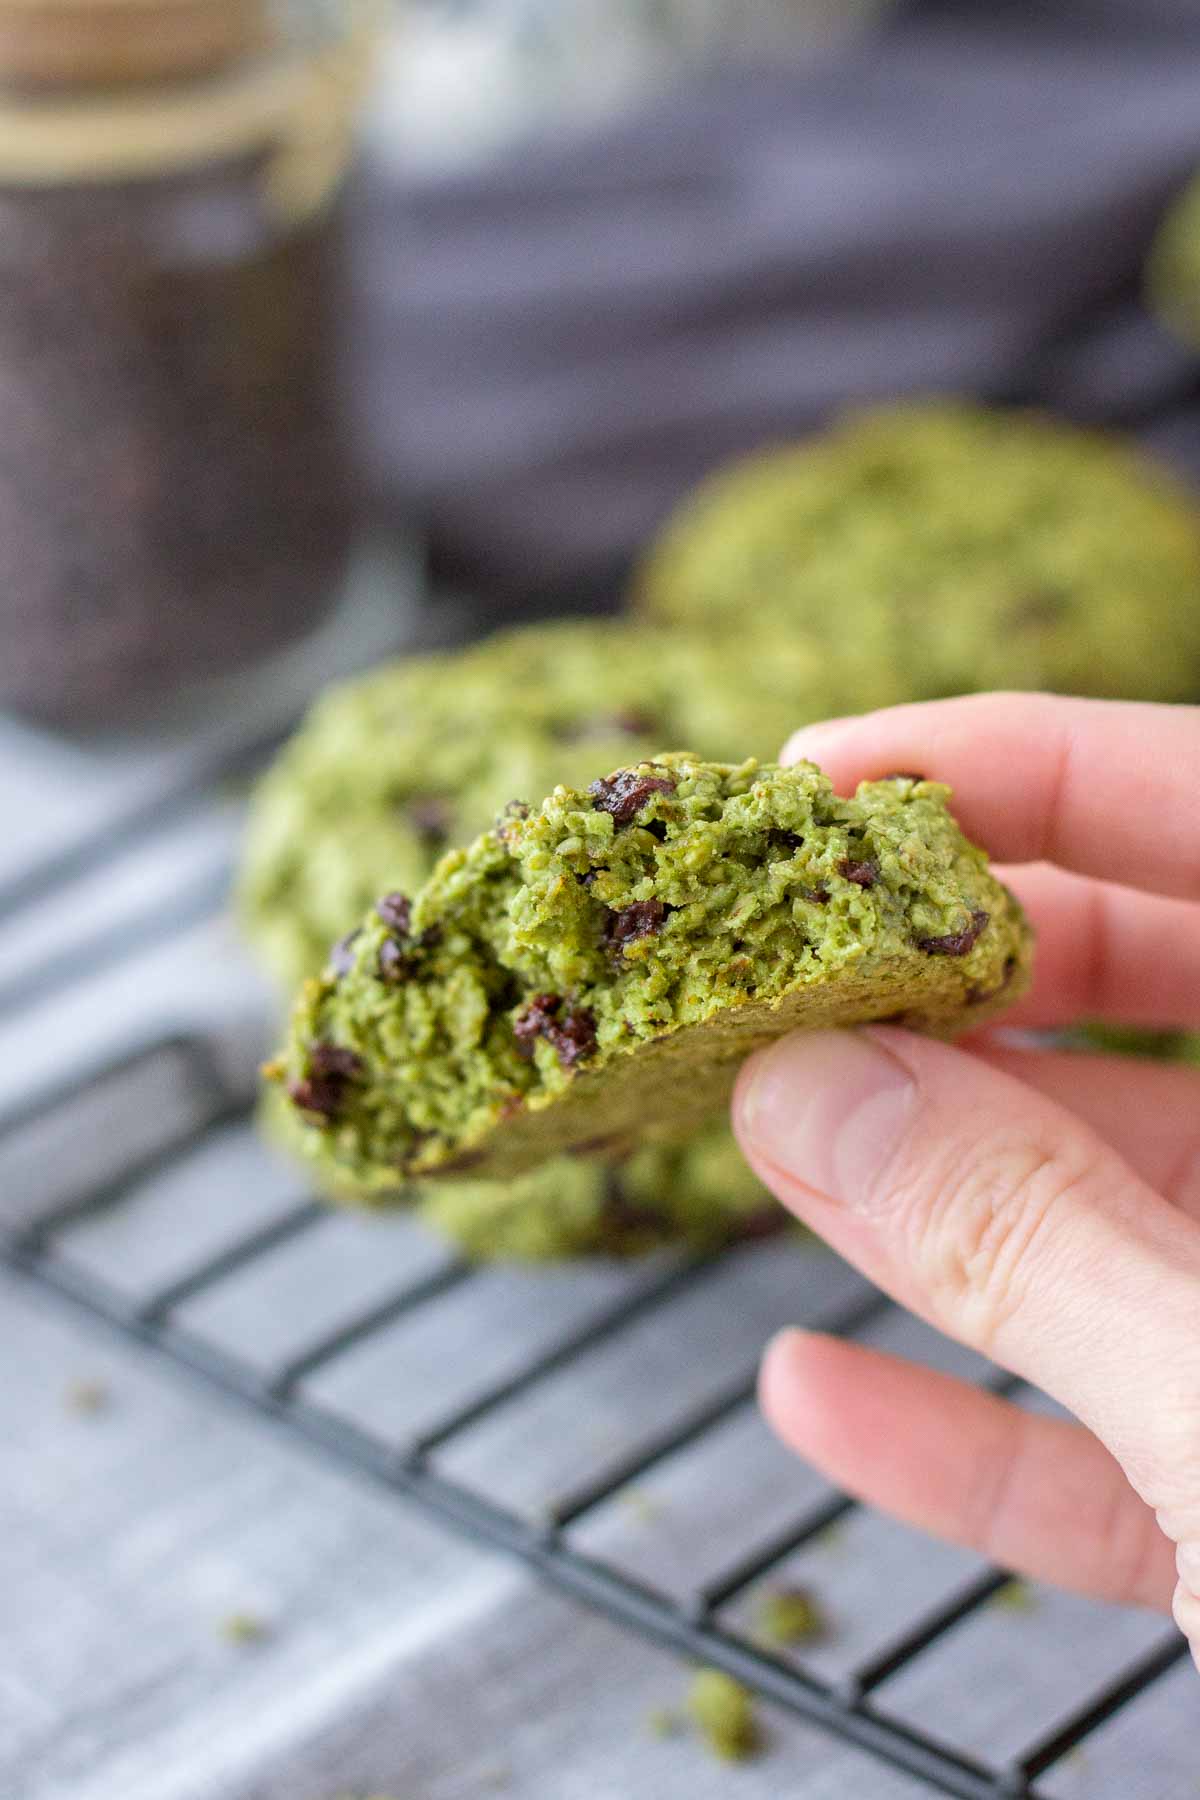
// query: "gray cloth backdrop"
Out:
[547,352]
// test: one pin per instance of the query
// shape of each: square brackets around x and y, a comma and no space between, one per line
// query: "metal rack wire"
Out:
[40,1250]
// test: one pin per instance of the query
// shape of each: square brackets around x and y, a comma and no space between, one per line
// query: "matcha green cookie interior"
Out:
[590,974]
[942,548]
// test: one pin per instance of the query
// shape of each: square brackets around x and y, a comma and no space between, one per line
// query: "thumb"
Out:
[1005,1221]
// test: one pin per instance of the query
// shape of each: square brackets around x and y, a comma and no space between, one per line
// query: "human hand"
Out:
[1042,1207]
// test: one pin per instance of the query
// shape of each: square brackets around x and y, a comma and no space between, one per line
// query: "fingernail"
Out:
[812,742]
[827,1108]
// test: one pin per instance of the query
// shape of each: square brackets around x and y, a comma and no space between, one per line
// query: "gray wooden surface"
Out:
[394,1658]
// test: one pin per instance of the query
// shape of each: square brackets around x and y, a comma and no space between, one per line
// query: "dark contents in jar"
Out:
[173,496]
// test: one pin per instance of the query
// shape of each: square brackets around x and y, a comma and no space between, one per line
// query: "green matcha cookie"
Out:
[945,549]
[591,974]
[393,768]
[1173,271]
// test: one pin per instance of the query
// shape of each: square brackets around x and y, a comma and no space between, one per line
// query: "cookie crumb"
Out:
[243,1628]
[1015,1596]
[790,1615]
[86,1397]
[724,1711]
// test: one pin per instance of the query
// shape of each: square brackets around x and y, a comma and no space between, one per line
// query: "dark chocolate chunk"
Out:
[394,964]
[334,1061]
[432,817]
[341,957]
[396,912]
[331,1069]
[863,874]
[625,925]
[819,896]
[956,943]
[570,1029]
[624,793]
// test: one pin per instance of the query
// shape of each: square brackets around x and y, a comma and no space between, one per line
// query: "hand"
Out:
[1042,1207]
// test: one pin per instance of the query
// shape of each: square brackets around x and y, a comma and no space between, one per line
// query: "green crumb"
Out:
[724,1711]
[595,970]
[640,1505]
[243,1628]
[664,1722]
[790,1615]
[86,1397]
[1015,1596]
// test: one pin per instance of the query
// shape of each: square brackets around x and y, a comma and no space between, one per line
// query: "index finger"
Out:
[1106,787]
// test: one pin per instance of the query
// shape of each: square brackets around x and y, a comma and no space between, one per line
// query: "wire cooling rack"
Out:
[187,1100]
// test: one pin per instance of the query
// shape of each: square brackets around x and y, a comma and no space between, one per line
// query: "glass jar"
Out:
[173,494]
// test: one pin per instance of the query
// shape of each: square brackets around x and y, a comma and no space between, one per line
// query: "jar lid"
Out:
[295,108]
[111,43]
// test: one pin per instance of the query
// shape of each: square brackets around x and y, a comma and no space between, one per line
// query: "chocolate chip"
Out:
[432,817]
[394,964]
[624,793]
[862,874]
[331,1069]
[956,943]
[334,1062]
[818,896]
[396,912]
[571,1030]
[341,957]
[627,924]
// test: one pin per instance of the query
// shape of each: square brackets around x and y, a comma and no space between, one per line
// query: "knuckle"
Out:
[984,1219]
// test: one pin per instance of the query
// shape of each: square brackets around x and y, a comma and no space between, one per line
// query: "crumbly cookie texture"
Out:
[943,548]
[591,974]
[392,769]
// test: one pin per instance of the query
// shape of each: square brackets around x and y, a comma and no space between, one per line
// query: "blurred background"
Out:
[333,333]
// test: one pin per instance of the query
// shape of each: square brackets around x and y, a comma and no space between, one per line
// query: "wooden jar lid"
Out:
[115,43]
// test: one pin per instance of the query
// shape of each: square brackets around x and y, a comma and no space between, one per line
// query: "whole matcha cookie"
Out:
[590,974]
[942,548]
[1173,271]
[393,768]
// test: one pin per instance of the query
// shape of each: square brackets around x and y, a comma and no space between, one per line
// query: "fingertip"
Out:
[812,742]
[777,1373]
